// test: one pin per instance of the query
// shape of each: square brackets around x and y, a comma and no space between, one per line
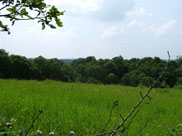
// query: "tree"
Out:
[68,73]
[110,78]
[56,73]
[120,67]
[110,67]
[126,79]
[179,61]
[171,75]
[17,10]
[147,81]
[4,64]
[96,71]
[21,67]
[80,74]
[44,66]
[134,77]
[90,59]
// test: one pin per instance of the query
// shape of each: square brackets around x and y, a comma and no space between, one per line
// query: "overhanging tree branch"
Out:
[18,11]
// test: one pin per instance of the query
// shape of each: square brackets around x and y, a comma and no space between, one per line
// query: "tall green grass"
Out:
[85,108]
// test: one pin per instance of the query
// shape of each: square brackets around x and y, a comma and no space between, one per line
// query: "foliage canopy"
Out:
[133,72]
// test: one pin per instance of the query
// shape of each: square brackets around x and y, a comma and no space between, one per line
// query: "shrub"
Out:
[147,81]
[92,80]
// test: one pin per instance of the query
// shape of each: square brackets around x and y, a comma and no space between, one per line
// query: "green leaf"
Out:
[1,24]
[58,22]
[10,10]
[29,17]
[52,26]
[43,26]
[60,13]
[53,9]
[13,22]
[24,12]
[42,5]
[14,8]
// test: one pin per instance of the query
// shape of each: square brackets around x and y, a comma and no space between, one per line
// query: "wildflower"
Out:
[51,133]
[13,120]
[179,125]
[3,119]
[72,132]
[21,131]
[2,133]
[9,125]
[39,132]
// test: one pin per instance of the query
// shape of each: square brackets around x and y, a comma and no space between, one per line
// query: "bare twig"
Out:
[58,125]
[4,7]
[149,97]
[7,5]
[141,94]
[114,105]
[33,18]
[121,116]
[33,122]
[117,130]
[131,121]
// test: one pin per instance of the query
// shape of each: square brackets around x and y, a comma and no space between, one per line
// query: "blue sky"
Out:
[104,29]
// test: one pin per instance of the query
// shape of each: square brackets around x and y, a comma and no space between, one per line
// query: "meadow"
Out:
[84,108]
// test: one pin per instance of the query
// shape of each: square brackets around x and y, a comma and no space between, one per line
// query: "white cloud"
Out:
[63,34]
[110,32]
[124,42]
[113,10]
[66,34]
[135,23]
[161,30]
[76,5]
[138,12]
[90,5]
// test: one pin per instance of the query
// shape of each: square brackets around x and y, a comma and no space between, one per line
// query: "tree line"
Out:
[132,72]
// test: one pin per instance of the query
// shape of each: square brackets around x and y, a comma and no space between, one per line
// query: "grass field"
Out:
[85,108]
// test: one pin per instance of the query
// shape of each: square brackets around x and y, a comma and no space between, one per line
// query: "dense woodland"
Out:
[133,72]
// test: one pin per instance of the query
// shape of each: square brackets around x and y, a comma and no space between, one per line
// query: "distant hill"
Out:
[67,61]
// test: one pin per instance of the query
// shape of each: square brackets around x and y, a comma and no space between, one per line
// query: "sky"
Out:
[104,29]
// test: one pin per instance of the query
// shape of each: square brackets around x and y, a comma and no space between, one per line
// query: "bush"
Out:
[92,80]
[110,78]
[81,79]
[178,86]
[179,81]
[174,130]
[147,81]
[125,79]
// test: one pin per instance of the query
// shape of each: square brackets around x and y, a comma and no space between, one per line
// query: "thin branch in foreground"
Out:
[4,7]
[33,122]
[114,105]
[58,125]
[121,116]
[149,97]
[132,119]
[117,130]
[141,94]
